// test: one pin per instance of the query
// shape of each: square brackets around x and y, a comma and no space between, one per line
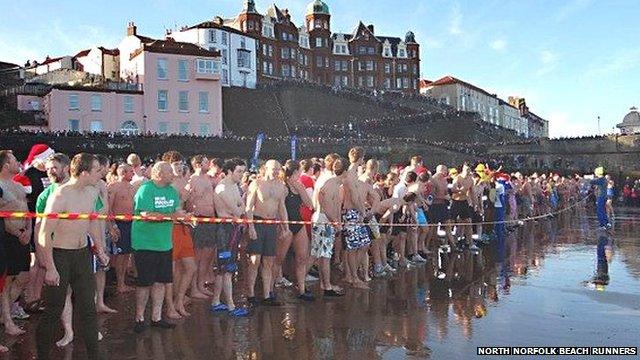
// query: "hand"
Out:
[51,277]
[24,237]
[252,233]
[103,258]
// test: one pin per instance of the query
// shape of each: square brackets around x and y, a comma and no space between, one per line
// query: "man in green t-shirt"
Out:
[151,243]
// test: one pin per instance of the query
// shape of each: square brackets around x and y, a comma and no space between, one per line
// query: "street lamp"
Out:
[599,125]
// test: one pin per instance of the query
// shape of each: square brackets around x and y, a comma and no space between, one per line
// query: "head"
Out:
[134,161]
[234,169]
[215,165]
[409,197]
[200,162]
[162,173]
[465,169]
[271,169]
[416,160]
[305,166]
[176,160]
[392,179]
[424,177]
[125,172]
[57,168]
[85,168]
[291,170]
[338,168]
[9,165]
[371,167]
[599,171]
[442,170]
[410,178]
[104,164]
[356,155]
[328,161]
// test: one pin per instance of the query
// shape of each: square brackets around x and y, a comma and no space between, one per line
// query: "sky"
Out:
[572,60]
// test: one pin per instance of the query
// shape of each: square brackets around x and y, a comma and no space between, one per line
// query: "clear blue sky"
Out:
[572,60]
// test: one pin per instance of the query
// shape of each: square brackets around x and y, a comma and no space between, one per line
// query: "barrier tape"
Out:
[214,220]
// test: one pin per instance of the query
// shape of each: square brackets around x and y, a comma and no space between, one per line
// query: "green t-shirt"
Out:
[153,235]
[41,203]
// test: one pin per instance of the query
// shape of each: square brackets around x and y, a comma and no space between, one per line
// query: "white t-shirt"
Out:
[400,190]
[499,192]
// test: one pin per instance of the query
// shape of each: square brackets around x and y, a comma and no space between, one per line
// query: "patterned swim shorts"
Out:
[322,236]
[355,236]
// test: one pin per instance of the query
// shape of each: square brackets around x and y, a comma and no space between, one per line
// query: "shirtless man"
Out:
[138,172]
[200,189]
[265,201]
[215,170]
[356,237]
[102,207]
[324,176]
[121,194]
[439,213]
[368,178]
[328,204]
[180,239]
[526,196]
[229,204]
[462,204]
[18,236]
[68,259]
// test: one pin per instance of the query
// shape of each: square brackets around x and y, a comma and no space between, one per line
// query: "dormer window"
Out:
[401,53]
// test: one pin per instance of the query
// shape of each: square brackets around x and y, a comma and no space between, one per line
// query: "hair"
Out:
[380,177]
[316,168]
[172,156]
[329,159]
[4,157]
[60,158]
[355,154]
[424,177]
[217,162]
[411,177]
[103,160]
[134,160]
[372,164]
[409,197]
[338,167]
[416,159]
[197,160]
[289,168]
[305,165]
[230,165]
[80,163]
[157,167]
[121,168]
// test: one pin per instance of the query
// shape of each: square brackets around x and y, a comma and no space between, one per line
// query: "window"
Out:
[405,67]
[162,69]
[293,53]
[284,36]
[265,67]
[326,62]
[249,25]
[401,53]
[270,50]
[128,104]
[224,54]
[338,65]
[205,66]
[387,83]
[293,71]
[387,52]
[370,65]
[96,102]
[337,80]
[129,128]
[319,61]
[224,38]
[284,53]
[318,24]
[225,76]
[415,69]
[360,81]
[205,129]
[286,70]
[183,128]
[243,42]
[96,126]
[244,60]
[162,100]
[291,37]
[369,81]
[405,83]
[73,102]
[371,50]
[345,66]
[183,101]
[387,68]
[270,68]
[318,42]
[163,127]
[182,70]
[203,101]
[362,50]
[345,80]
[212,36]
[399,83]
[74,125]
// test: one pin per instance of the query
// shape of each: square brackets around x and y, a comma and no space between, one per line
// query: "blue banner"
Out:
[294,146]
[256,152]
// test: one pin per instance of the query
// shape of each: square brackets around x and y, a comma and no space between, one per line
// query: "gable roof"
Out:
[114,52]
[216,25]
[449,80]
[82,53]
[361,28]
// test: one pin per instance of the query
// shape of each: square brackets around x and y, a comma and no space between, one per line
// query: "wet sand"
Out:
[534,287]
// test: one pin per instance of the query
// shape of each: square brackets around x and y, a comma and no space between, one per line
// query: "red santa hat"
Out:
[38,153]
[24,181]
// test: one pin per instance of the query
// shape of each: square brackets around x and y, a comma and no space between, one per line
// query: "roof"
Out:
[450,80]
[425,83]
[317,7]
[114,52]
[632,118]
[171,46]
[502,102]
[394,41]
[6,65]
[103,89]
[362,28]
[82,53]
[215,25]
[49,60]
[144,39]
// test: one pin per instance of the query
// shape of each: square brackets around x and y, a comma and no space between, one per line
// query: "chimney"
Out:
[370,27]
[132,30]
[218,20]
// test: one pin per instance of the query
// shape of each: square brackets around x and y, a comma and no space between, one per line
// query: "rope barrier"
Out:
[214,220]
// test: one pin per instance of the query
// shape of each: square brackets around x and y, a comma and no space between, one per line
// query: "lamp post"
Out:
[144,123]
[599,125]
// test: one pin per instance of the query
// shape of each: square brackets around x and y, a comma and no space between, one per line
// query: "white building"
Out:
[238,50]
[510,118]
[100,61]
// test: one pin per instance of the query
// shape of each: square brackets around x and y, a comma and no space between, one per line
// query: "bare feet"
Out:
[348,279]
[359,284]
[13,330]
[187,300]
[205,291]
[182,311]
[198,295]
[100,337]
[66,340]
[173,314]
[104,309]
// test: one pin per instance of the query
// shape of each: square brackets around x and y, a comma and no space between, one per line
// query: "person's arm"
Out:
[225,197]
[96,231]
[55,204]
[306,199]
[282,214]
[251,204]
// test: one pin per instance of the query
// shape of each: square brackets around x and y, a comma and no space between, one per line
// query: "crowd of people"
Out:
[358,221]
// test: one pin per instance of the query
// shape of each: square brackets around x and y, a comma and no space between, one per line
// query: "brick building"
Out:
[312,52]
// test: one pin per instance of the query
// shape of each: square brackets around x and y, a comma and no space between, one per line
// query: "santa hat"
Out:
[38,153]
[24,181]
